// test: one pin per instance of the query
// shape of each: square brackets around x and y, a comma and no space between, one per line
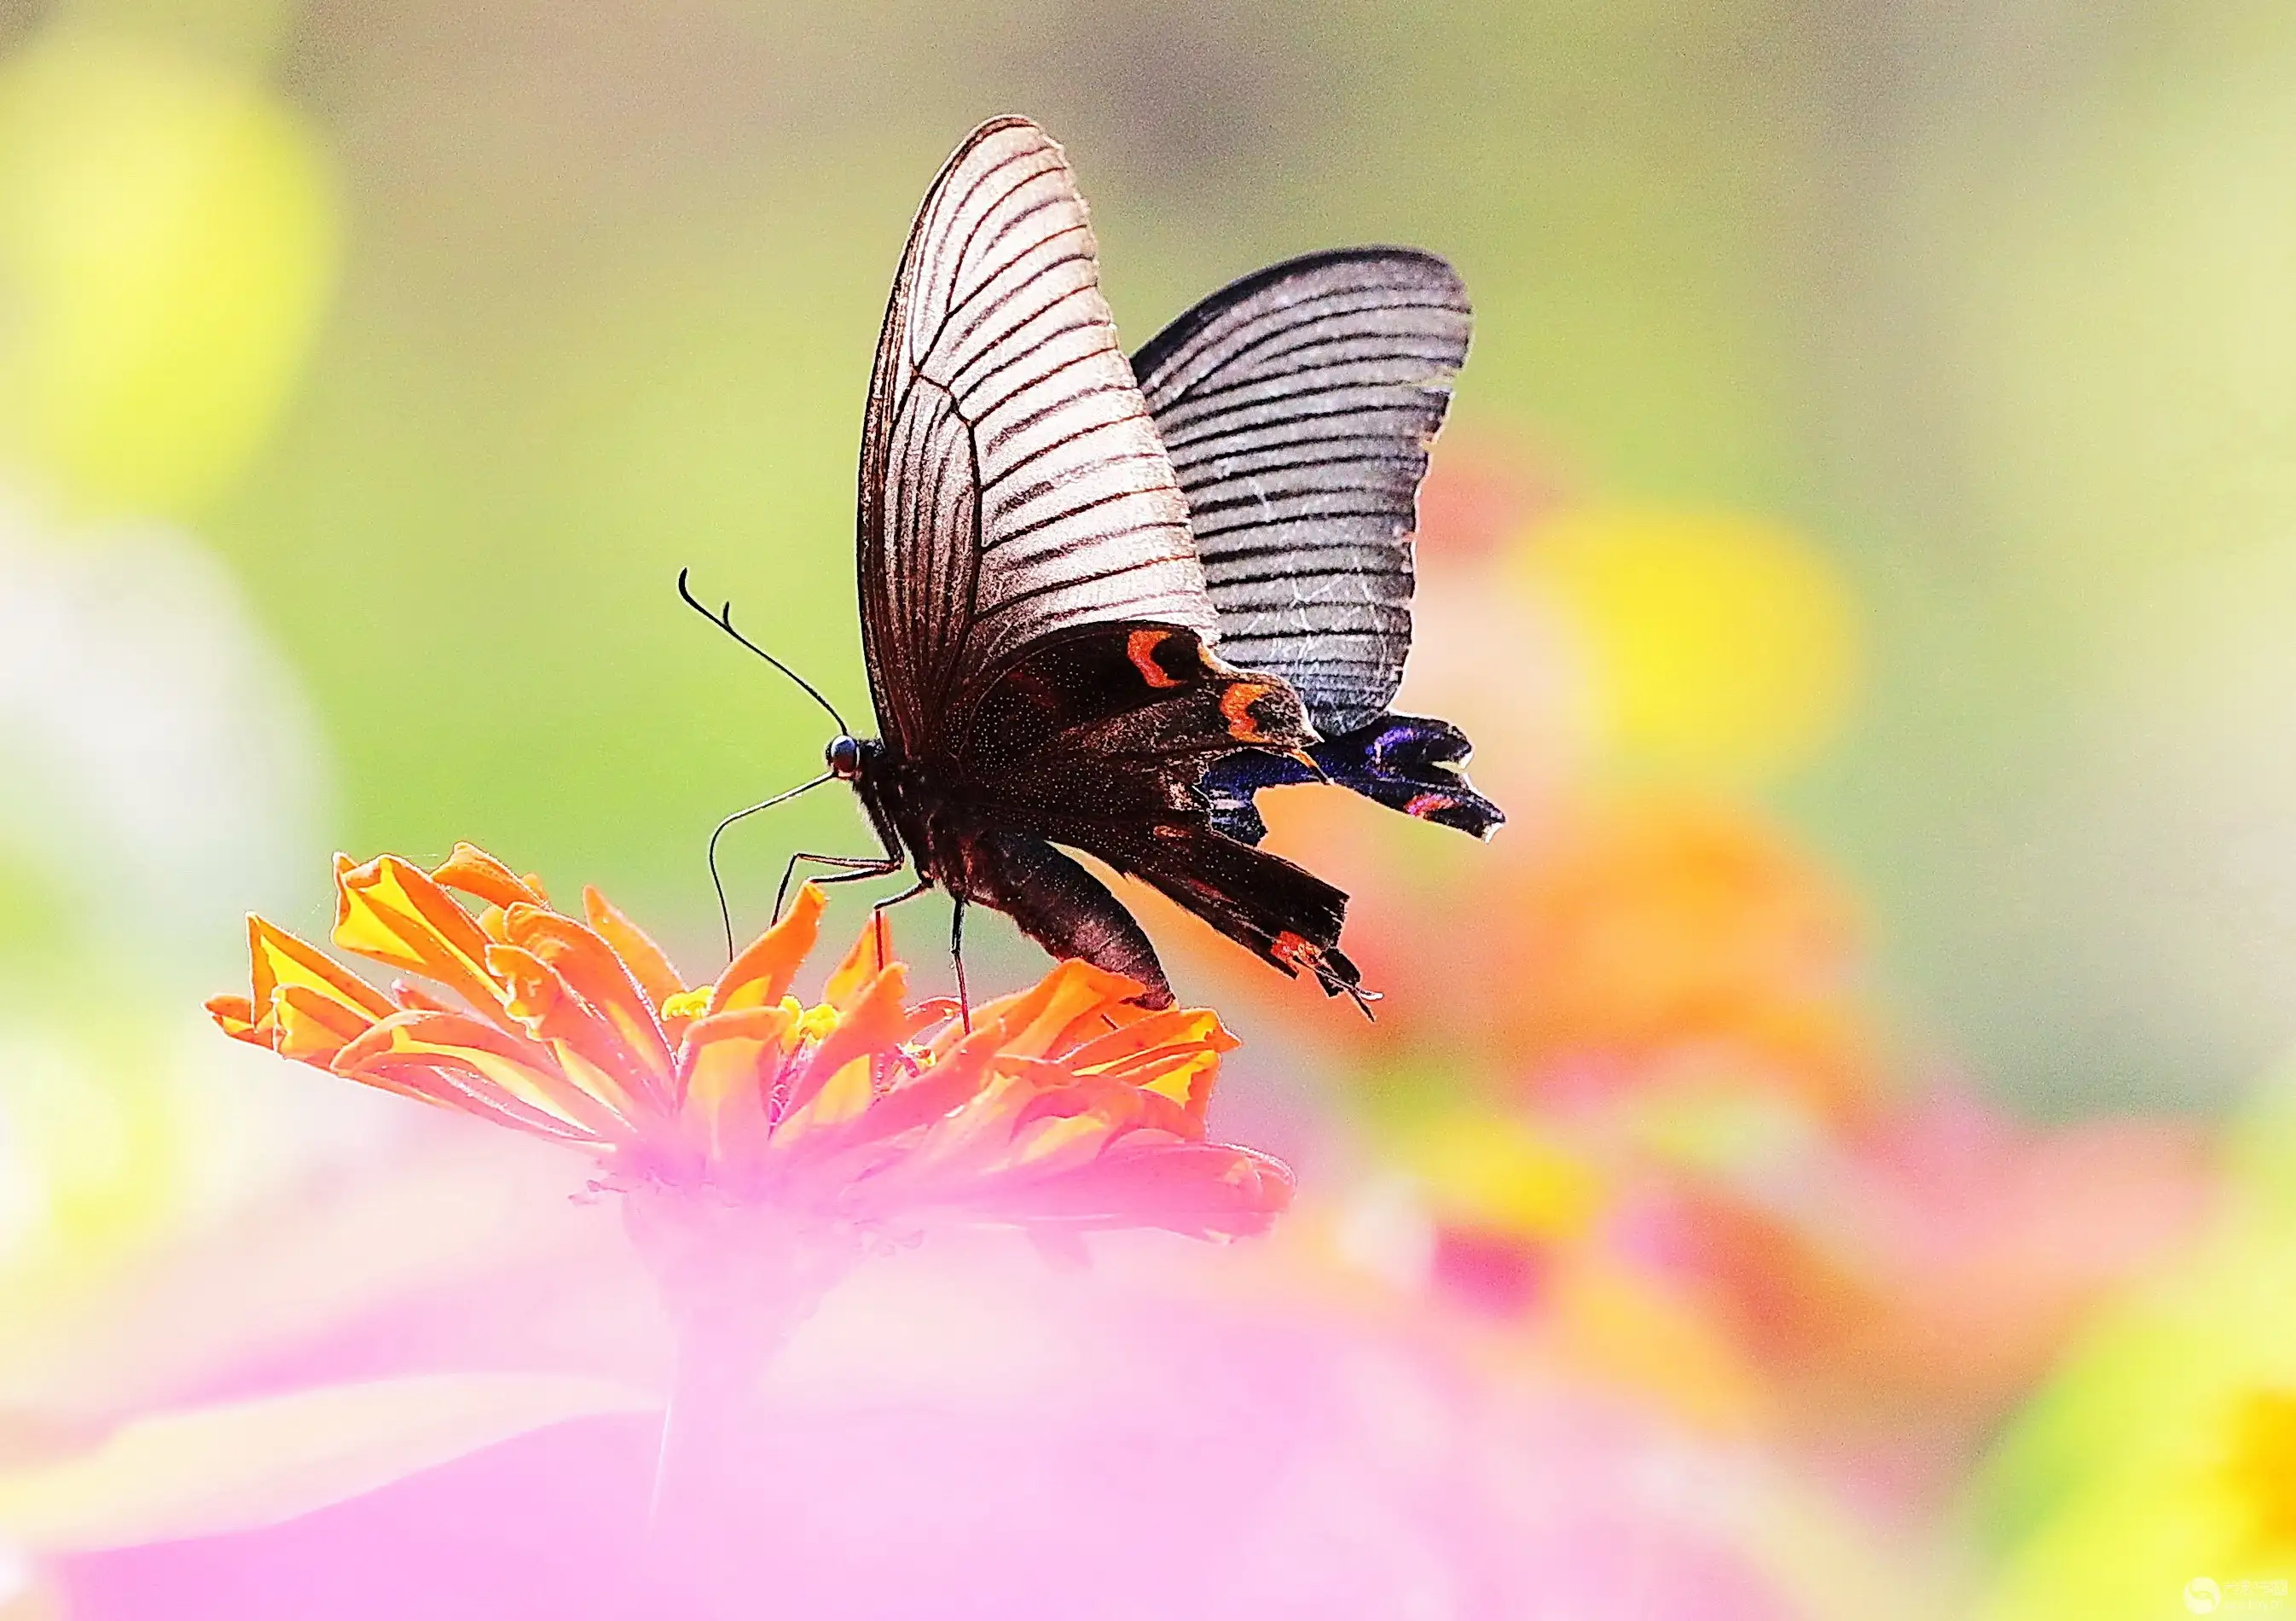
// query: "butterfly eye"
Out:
[843,757]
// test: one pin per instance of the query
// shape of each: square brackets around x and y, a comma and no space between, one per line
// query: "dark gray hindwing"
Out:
[1297,406]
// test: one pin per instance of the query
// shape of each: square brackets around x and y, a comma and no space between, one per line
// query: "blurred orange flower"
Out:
[1065,1107]
[1667,924]
[1626,939]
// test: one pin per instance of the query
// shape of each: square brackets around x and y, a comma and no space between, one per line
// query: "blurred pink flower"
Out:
[1938,1260]
[958,1434]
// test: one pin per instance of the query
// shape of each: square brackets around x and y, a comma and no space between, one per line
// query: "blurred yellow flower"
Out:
[2260,1469]
[168,233]
[1487,1170]
[1064,1108]
[1722,645]
[2165,1453]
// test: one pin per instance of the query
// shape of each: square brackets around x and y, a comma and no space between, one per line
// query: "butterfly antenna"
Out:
[723,619]
[716,881]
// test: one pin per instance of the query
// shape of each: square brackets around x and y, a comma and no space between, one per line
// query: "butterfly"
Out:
[1104,603]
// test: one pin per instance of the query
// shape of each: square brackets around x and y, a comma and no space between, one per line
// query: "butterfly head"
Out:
[843,757]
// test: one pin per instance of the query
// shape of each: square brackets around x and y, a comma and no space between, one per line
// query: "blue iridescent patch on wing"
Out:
[1407,762]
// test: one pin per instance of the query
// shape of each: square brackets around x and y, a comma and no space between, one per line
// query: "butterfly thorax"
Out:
[927,809]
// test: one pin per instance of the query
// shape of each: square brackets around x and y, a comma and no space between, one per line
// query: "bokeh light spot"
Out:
[2263,1465]
[167,236]
[1717,644]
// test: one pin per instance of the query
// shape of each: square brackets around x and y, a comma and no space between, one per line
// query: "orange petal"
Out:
[847,1091]
[1043,1019]
[312,1027]
[870,955]
[956,1148]
[762,976]
[834,1154]
[389,910]
[875,1025]
[647,962]
[1206,1191]
[732,1059]
[742,1024]
[408,995]
[1117,1108]
[234,1015]
[585,961]
[493,923]
[495,1066]
[461,1090]
[277,958]
[1173,1026]
[474,872]
[552,1012]
[1184,1074]
[1051,1144]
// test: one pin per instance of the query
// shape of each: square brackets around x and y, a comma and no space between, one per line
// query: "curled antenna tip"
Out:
[723,619]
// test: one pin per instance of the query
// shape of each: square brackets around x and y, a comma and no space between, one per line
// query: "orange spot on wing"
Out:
[1140,647]
[1236,704]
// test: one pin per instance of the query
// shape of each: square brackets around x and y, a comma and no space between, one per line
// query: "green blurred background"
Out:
[1993,302]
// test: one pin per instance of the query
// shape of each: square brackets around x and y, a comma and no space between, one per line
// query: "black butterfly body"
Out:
[1104,603]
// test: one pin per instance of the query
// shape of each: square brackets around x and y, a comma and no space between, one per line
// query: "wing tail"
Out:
[1282,913]
[1411,763]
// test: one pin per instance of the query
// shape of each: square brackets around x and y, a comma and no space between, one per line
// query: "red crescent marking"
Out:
[1236,704]
[1140,647]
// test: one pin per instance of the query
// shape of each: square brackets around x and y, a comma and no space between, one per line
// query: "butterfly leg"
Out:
[877,914]
[956,955]
[851,869]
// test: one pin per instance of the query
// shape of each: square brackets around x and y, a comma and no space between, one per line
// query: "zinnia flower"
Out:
[1065,1107]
